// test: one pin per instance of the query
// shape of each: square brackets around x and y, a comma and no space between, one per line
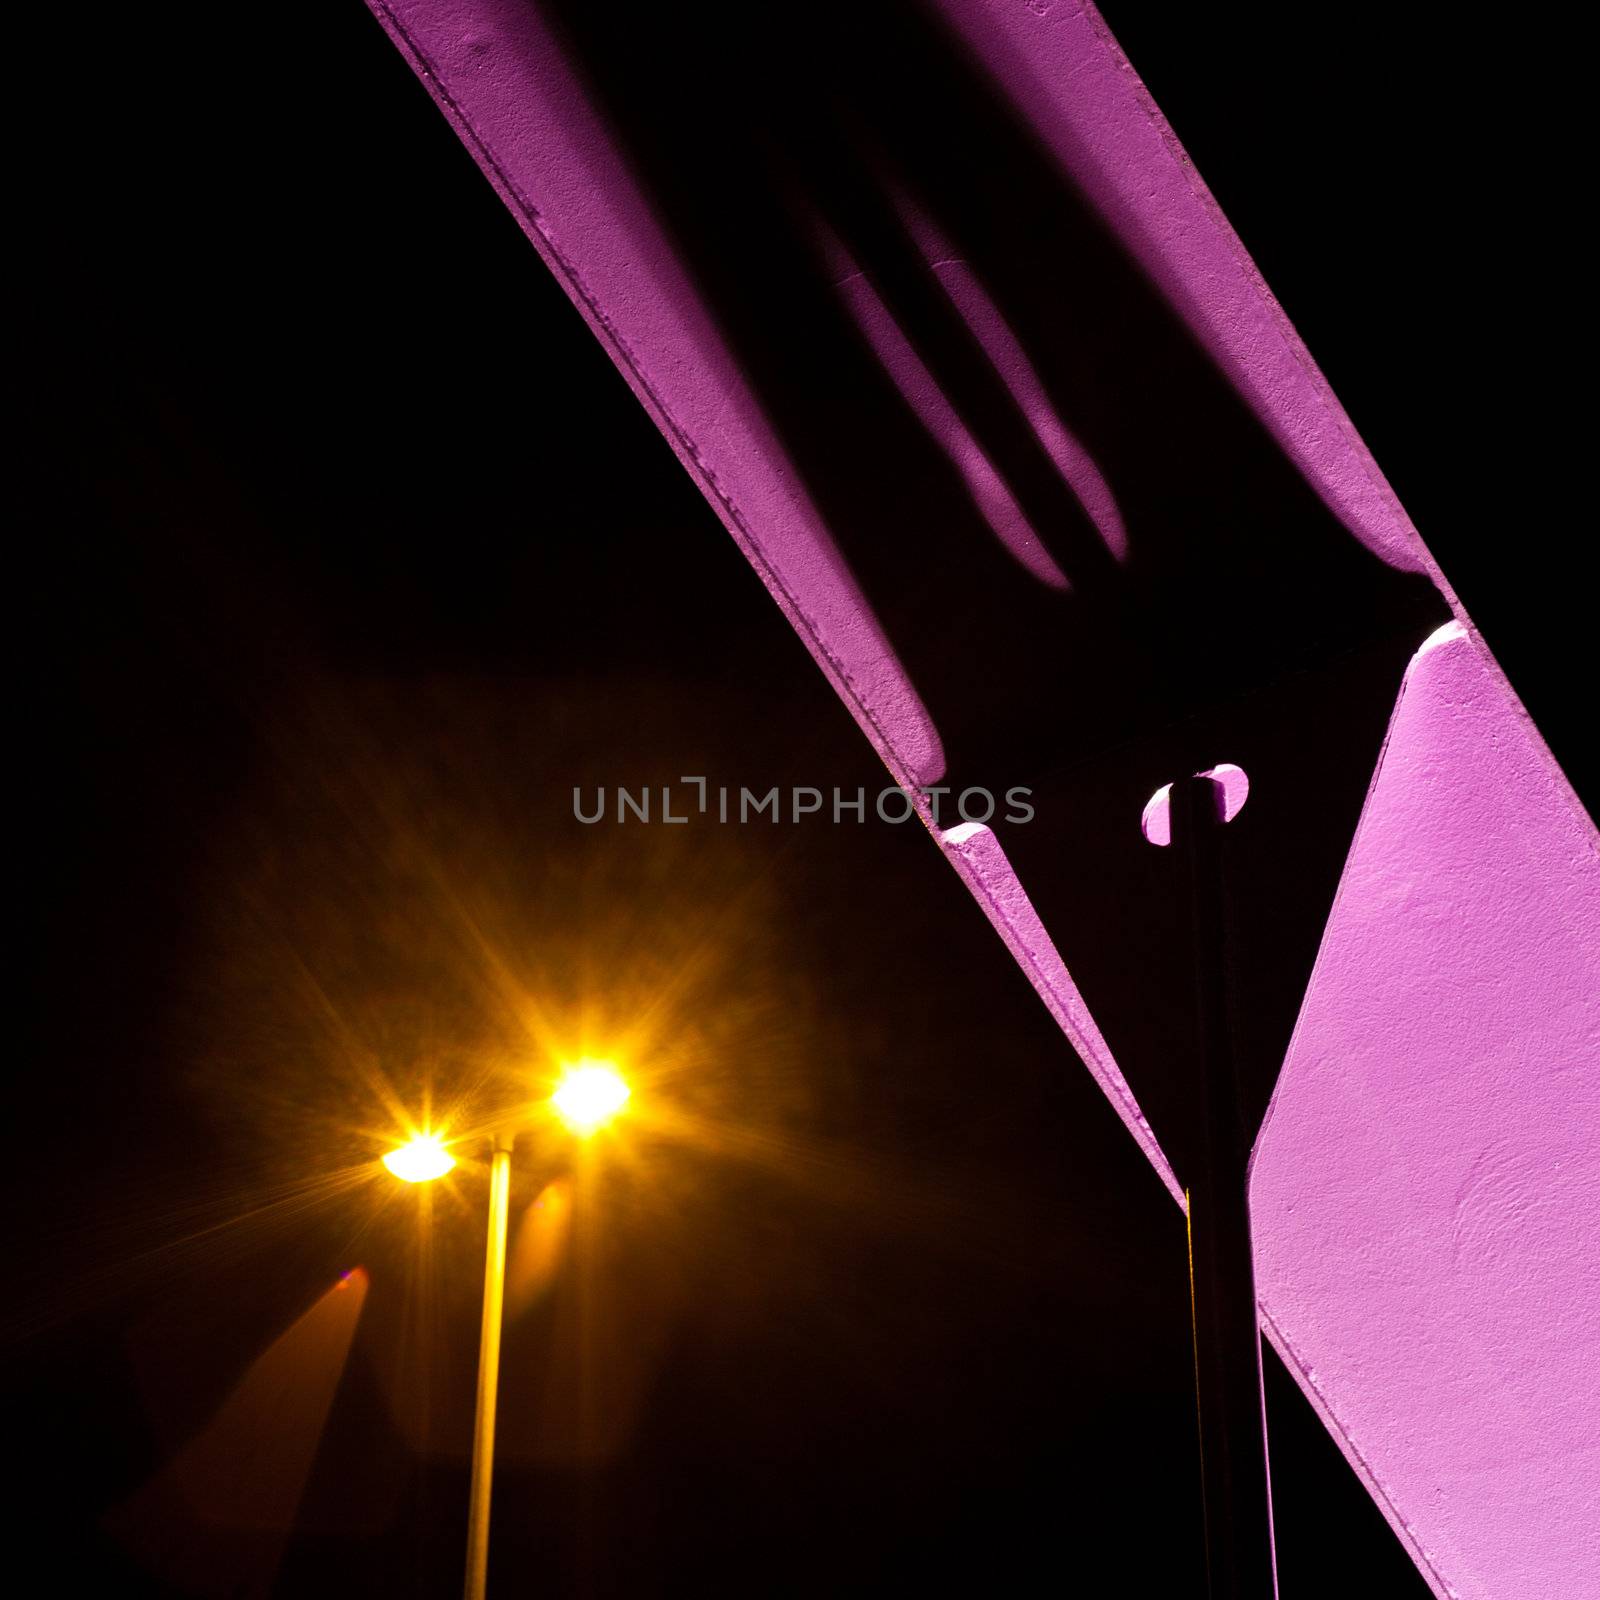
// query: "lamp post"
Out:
[588,1096]
[494,1296]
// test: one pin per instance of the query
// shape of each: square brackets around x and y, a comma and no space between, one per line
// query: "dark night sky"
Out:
[323,620]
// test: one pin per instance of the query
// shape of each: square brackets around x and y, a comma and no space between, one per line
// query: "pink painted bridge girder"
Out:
[1427,1253]
[1445,1232]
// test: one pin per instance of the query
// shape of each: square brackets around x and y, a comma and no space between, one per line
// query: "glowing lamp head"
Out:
[589,1095]
[420,1159]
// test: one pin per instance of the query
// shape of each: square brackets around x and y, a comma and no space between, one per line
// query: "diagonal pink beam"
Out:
[1427,1255]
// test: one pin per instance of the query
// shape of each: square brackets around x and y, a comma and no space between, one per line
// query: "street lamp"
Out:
[420,1160]
[588,1096]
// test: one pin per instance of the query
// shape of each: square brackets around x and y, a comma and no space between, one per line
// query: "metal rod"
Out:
[494,1290]
[1227,1338]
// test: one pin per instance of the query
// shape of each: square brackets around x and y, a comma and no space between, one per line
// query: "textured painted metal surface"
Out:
[1422,1194]
[1389,1265]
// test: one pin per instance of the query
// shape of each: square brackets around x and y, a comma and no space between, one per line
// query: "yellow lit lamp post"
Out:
[588,1096]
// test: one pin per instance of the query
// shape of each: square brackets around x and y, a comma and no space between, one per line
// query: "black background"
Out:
[325,605]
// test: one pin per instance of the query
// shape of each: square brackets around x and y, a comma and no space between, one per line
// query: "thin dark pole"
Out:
[1227,1340]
